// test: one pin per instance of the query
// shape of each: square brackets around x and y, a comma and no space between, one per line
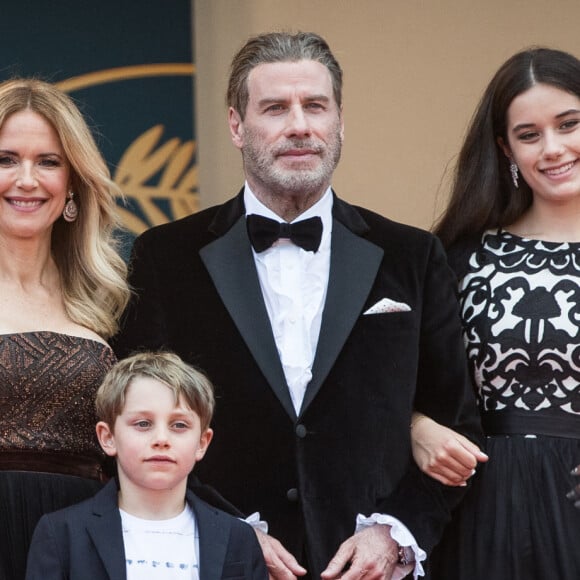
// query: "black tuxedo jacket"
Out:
[348,450]
[85,541]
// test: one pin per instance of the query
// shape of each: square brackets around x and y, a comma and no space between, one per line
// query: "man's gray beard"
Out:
[290,181]
[298,181]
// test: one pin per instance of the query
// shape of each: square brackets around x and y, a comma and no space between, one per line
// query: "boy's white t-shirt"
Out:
[161,549]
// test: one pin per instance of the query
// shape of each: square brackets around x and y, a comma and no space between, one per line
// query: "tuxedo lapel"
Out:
[230,263]
[354,264]
[106,532]
[353,267]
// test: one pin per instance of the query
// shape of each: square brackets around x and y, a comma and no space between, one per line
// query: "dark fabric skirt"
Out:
[24,498]
[516,523]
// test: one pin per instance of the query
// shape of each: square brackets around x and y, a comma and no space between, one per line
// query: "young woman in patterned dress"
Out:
[512,230]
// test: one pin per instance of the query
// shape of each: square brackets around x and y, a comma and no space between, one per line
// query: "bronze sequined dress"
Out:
[49,454]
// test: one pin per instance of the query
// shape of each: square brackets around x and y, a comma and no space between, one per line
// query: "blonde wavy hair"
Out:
[93,274]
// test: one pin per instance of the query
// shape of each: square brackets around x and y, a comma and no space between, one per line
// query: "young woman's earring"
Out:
[70,211]
[514,172]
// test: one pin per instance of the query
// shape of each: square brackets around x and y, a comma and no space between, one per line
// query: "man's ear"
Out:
[106,438]
[236,127]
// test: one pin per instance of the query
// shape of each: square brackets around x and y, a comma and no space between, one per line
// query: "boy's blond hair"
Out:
[183,379]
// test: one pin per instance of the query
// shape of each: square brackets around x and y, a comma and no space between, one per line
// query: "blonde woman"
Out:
[62,290]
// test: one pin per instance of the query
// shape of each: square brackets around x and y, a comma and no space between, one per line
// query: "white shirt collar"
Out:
[322,208]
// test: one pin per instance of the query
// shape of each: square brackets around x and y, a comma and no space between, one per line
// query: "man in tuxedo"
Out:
[322,326]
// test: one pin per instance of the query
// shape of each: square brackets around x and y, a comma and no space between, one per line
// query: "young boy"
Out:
[154,413]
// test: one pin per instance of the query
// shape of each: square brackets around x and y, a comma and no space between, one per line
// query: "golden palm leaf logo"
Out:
[177,184]
[153,176]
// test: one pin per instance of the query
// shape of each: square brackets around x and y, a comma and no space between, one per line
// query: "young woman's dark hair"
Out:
[483,195]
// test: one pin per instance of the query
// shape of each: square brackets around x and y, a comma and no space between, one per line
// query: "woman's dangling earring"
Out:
[514,172]
[70,211]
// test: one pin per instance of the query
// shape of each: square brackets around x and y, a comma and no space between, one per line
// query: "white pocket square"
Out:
[388,305]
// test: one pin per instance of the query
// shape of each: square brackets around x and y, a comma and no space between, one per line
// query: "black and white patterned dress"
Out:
[520,306]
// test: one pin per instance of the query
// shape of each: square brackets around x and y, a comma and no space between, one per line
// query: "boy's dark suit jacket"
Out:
[85,542]
[348,450]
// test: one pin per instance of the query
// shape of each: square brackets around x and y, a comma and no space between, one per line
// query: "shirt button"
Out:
[292,494]
[301,431]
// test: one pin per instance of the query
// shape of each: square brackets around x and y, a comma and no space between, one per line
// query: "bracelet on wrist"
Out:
[406,556]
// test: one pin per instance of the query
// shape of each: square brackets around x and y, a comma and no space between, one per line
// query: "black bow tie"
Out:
[264,232]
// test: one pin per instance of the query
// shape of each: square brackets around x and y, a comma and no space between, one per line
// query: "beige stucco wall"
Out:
[414,71]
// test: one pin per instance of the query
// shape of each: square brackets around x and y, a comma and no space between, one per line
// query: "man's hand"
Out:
[371,553]
[282,565]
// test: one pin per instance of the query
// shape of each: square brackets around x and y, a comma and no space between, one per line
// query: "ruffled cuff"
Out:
[256,523]
[401,534]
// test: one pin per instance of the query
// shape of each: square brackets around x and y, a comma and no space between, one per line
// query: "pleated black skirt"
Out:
[24,498]
[516,523]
